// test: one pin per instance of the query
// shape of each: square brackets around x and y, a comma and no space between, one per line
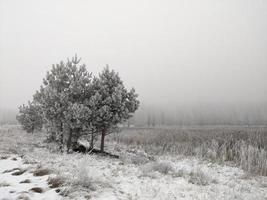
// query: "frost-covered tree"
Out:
[29,117]
[62,96]
[73,104]
[78,113]
[51,98]
[111,103]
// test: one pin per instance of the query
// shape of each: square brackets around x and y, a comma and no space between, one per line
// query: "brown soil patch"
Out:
[25,181]
[18,173]
[3,157]
[10,170]
[23,197]
[4,184]
[37,190]
[55,182]
[41,172]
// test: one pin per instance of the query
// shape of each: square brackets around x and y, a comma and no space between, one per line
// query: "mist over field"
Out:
[191,62]
[133,100]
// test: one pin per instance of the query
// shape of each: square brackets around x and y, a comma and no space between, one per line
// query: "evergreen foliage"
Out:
[30,117]
[112,102]
[75,104]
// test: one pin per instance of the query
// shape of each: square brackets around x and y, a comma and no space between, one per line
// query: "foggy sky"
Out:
[178,52]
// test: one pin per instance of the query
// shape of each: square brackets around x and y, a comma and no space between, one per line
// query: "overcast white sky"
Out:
[172,52]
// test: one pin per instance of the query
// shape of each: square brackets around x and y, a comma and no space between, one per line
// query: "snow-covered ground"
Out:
[135,175]
[18,182]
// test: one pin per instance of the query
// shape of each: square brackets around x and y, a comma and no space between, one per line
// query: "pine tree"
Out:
[112,103]
[73,104]
[30,117]
[62,96]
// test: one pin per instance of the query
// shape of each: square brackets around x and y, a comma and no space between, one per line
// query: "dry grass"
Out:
[246,147]
[198,177]
[161,167]
[41,172]
[138,159]
[55,182]
[83,178]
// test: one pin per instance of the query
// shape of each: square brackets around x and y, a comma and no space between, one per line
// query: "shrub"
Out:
[30,117]
[55,182]
[253,160]
[198,177]
[180,173]
[82,177]
[138,159]
[161,167]
[41,172]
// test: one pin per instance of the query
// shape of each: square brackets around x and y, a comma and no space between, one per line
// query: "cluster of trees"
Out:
[201,115]
[72,104]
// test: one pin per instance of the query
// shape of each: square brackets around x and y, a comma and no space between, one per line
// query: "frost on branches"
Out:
[29,117]
[73,104]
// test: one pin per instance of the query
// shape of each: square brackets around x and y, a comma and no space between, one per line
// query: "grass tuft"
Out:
[198,177]
[55,182]
[41,172]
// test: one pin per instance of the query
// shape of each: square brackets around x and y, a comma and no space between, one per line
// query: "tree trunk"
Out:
[92,142]
[61,139]
[61,136]
[69,141]
[102,140]
[75,137]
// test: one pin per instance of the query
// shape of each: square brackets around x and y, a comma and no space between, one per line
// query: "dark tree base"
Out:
[82,149]
[97,151]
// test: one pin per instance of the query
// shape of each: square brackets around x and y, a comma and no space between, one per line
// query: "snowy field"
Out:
[32,169]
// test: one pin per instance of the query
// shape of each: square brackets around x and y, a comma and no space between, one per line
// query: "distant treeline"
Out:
[201,115]
[205,115]
[8,116]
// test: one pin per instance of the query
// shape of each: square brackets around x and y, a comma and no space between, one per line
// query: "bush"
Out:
[83,179]
[198,177]
[55,182]
[138,159]
[41,172]
[161,167]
